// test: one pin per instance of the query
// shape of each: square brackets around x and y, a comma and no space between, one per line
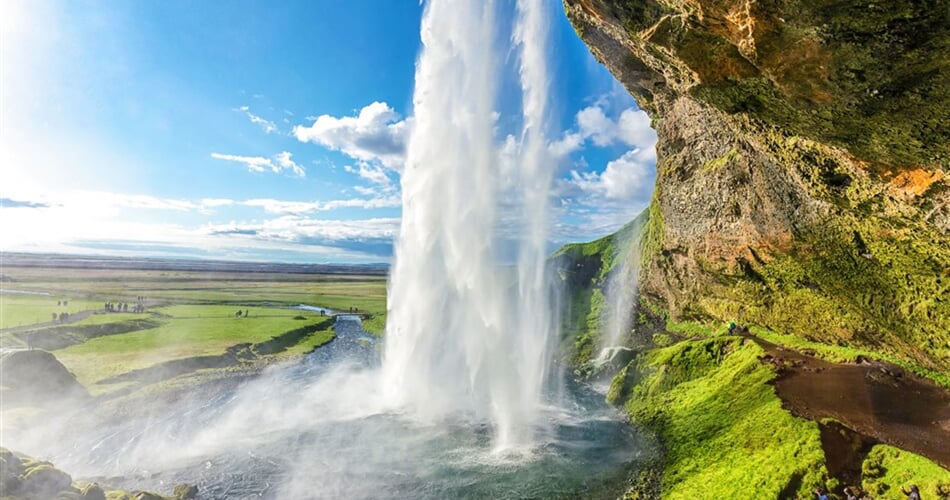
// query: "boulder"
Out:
[185,492]
[44,481]
[92,491]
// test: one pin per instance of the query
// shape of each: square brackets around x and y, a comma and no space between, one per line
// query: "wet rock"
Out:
[10,469]
[44,481]
[146,495]
[185,492]
[92,492]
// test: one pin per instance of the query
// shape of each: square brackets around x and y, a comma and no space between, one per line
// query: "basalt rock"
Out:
[802,163]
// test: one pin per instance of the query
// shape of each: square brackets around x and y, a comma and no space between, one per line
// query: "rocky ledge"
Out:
[803,155]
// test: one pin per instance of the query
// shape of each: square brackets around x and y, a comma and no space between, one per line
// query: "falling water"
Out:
[462,339]
[621,290]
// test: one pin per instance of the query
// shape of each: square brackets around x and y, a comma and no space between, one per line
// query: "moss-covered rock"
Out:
[802,158]
[185,492]
[44,481]
[92,491]
[147,495]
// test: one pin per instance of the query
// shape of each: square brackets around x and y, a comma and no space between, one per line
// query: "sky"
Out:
[262,131]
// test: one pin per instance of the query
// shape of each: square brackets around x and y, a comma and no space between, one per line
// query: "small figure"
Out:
[850,494]
[820,493]
[913,494]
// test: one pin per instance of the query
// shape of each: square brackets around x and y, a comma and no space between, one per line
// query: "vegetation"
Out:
[193,320]
[20,310]
[185,331]
[886,469]
[722,424]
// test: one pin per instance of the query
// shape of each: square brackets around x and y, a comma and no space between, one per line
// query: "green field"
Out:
[189,324]
[21,310]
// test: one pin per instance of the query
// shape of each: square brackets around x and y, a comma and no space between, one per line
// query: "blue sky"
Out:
[252,130]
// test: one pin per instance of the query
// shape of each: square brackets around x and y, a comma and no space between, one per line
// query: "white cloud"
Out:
[268,126]
[280,162]
[595,203]
[302,207]
[280,206]
[373,173]
[632,128]
[283,161]
[82,222]
[376,134]
[627,176]
[216,202]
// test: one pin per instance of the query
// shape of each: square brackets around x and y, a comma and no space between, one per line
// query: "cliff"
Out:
[803,155]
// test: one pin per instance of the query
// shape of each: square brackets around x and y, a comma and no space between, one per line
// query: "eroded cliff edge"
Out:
[803,155]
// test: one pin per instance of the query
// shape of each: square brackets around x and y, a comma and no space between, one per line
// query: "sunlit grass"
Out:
[886,469]
[20,310]
[188,331]
[722,424]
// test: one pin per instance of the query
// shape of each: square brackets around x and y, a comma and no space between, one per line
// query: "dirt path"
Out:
[876,402]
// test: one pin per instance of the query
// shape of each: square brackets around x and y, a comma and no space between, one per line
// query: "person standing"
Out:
[913,494]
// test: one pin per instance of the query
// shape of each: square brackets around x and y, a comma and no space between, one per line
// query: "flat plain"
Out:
[121,328]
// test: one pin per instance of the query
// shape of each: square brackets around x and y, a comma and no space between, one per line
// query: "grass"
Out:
[190,314]
[20,310]
[376,324]
[886,469]
[110,318]
[723,427]
[367,293]
[187,331]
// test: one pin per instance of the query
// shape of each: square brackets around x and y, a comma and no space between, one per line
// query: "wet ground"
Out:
[874,401]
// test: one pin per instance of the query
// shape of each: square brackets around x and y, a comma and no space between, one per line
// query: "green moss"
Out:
[718,163]
[881,291]
[652,241]
[819,74]
[886,469]
[724,429]
[689,328]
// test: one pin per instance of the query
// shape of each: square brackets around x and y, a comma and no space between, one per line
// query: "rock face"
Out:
[803,155]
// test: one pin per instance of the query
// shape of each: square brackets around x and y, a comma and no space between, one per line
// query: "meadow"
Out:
[192,320]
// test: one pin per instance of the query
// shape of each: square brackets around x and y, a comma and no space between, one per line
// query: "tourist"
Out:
[820,493]
[913,494]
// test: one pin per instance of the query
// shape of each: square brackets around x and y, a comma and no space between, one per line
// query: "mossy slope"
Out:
[724,429]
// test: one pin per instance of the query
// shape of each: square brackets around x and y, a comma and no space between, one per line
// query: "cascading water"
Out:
[461,337]
[621,293]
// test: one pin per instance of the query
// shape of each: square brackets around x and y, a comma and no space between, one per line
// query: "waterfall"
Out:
[466,335]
